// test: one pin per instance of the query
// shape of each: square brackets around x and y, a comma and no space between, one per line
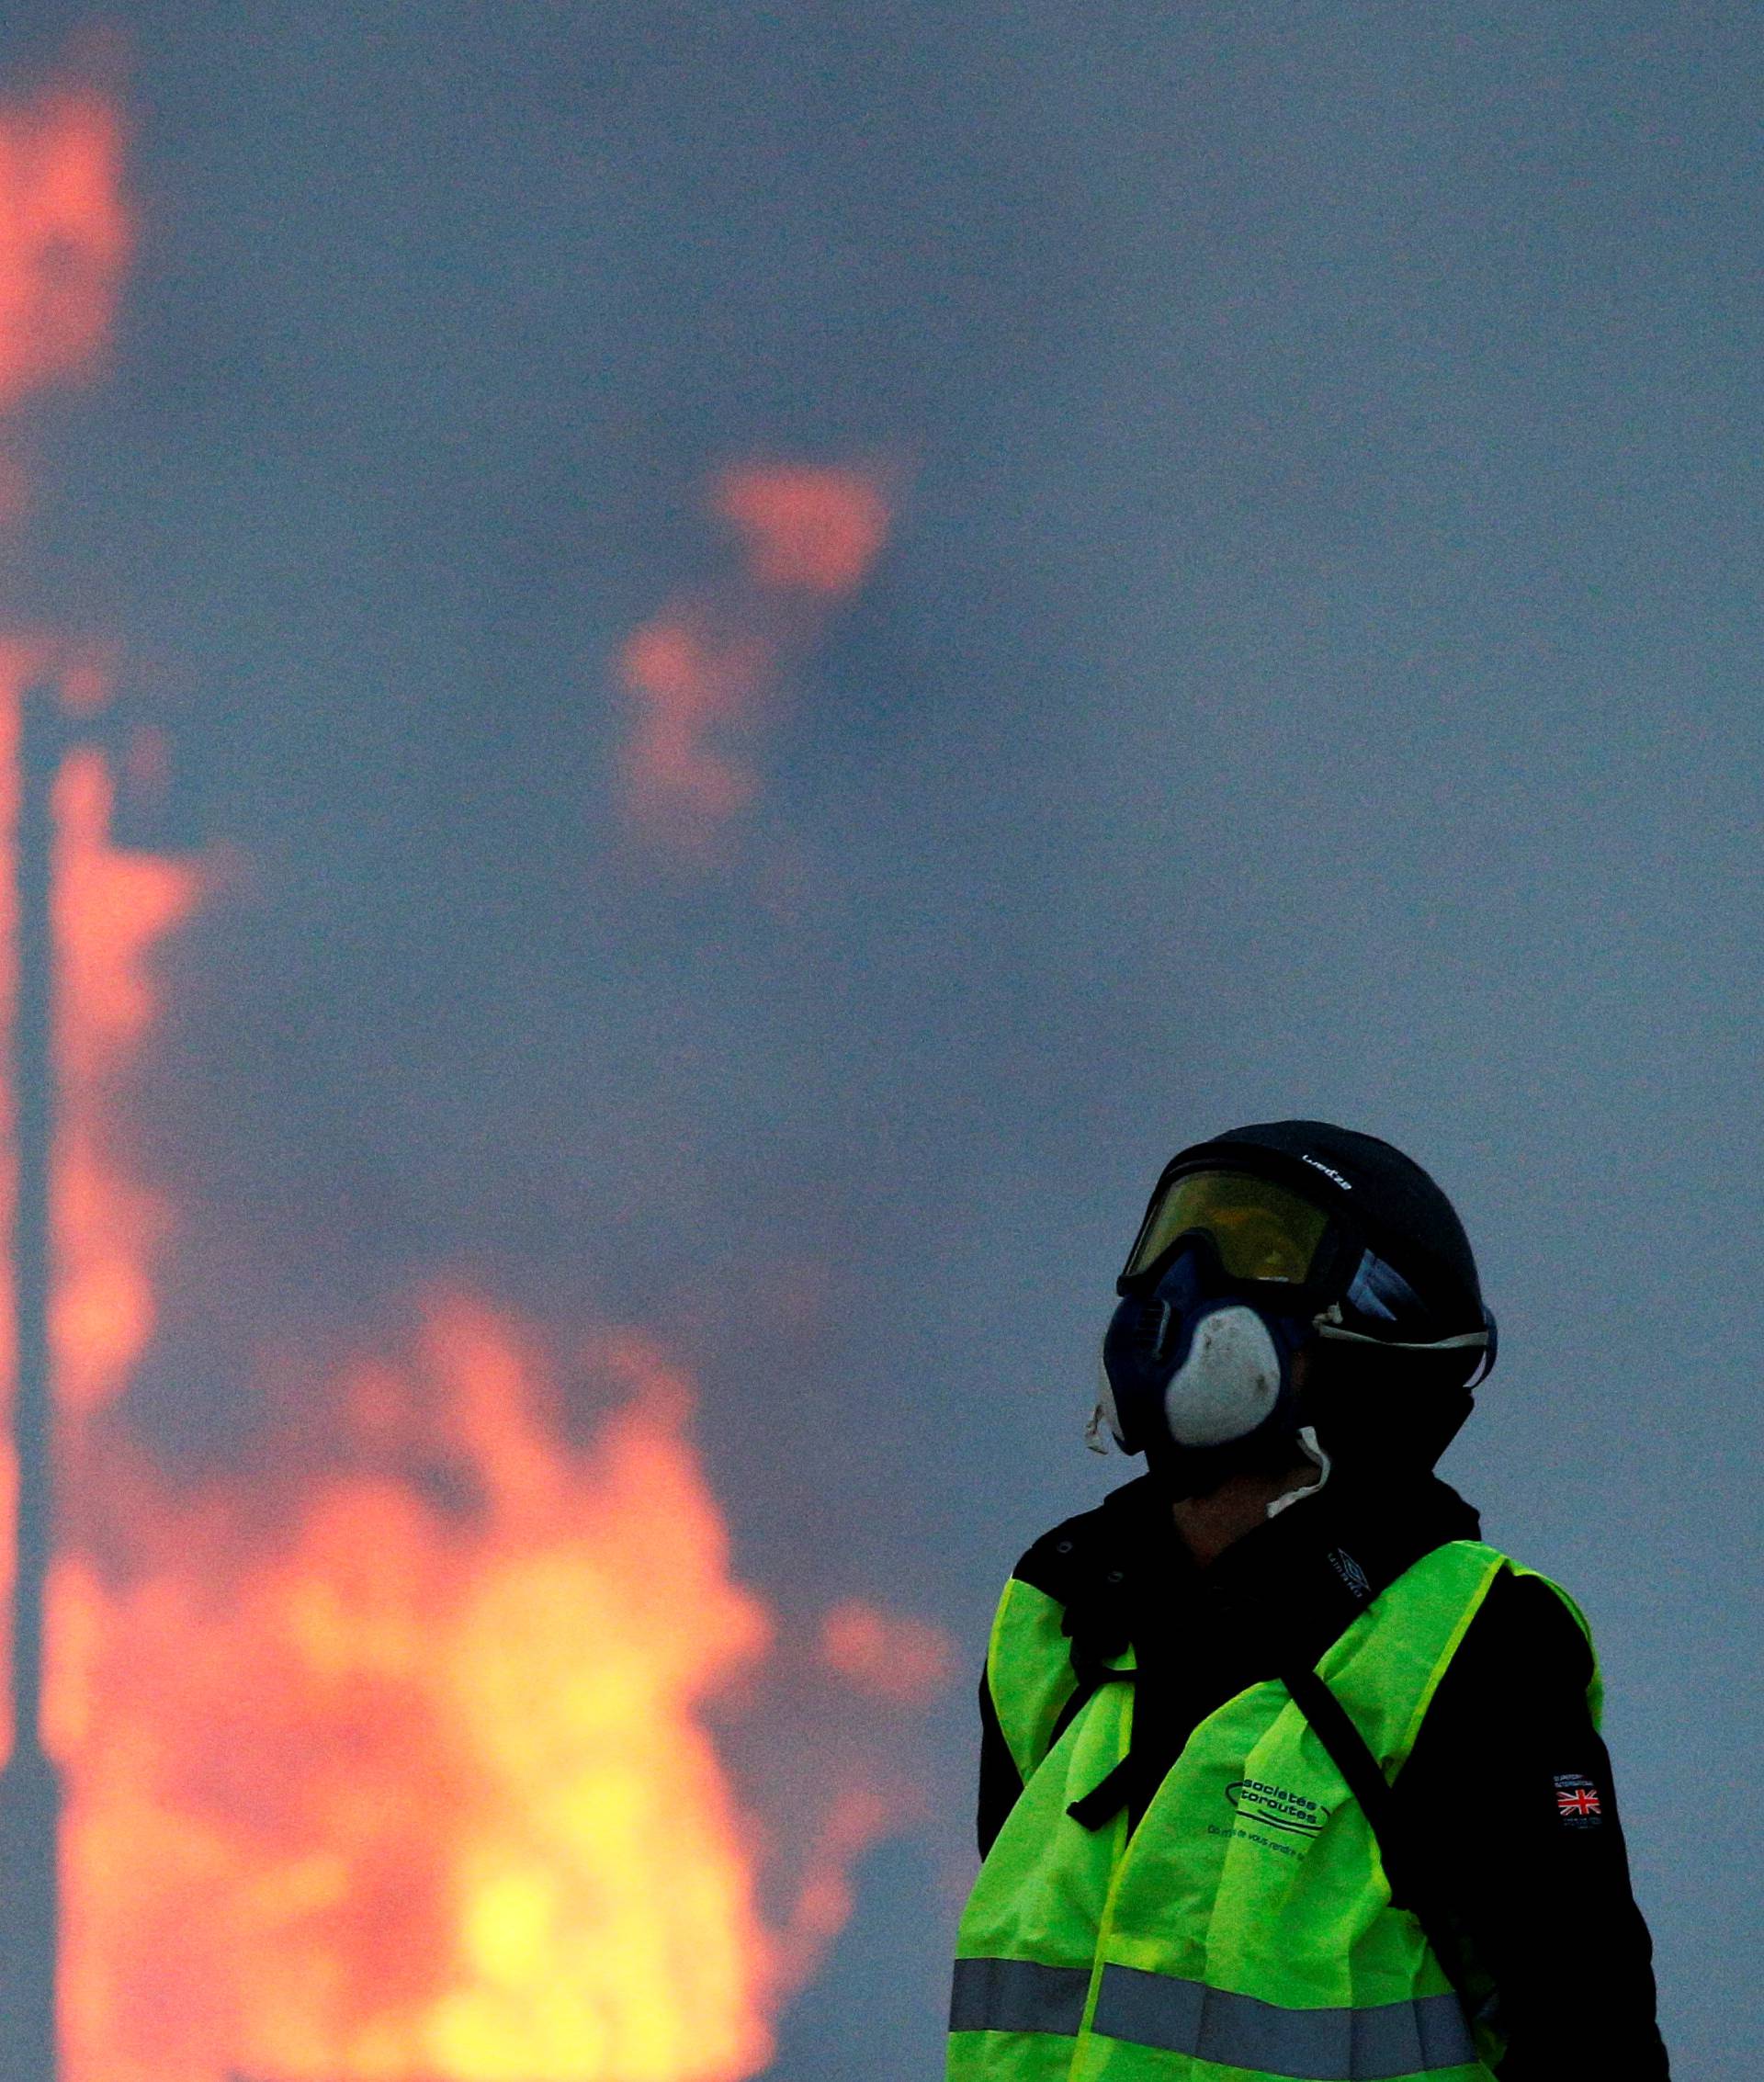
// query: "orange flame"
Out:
[66,237]
[112,909]
[113,906]
[903,1661]
[700,675]
[407,1778]
[812,530]
[417,1785]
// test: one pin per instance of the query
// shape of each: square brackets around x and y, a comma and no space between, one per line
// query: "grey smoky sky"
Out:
[1315,670]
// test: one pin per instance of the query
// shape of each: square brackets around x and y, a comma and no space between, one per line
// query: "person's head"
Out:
[1294,1287]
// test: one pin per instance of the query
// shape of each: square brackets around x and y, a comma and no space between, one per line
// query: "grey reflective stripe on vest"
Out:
[1016,1995]
[1318,2045]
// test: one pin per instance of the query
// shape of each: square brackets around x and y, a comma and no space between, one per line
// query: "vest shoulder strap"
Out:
[1351,1755]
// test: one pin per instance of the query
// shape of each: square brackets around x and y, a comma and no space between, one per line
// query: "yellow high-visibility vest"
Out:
[1245,1930]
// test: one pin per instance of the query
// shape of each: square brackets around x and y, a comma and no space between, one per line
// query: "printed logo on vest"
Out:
[1351,1573]
[1577,1801]
[1276,1809]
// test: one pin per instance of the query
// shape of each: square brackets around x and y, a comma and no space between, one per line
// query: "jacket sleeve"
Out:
[1509,1799]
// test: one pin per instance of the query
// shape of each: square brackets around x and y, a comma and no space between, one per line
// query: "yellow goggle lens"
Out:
[1261,1231]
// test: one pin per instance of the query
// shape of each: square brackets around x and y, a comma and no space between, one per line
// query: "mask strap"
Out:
[1470,1340]
[1329,1325]
[1102,1433]
[1316,1455]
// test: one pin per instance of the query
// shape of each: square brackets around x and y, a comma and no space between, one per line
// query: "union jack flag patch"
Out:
[1577,1801]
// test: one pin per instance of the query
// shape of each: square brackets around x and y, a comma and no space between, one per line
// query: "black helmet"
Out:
[1401,1331]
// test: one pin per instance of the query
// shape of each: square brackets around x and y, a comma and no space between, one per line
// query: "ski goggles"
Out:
[1260,1230]
[1265,1232]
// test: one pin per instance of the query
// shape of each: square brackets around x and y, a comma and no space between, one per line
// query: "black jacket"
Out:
[1506,1802]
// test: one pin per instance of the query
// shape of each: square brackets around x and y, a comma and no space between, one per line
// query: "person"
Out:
[1283,1771]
